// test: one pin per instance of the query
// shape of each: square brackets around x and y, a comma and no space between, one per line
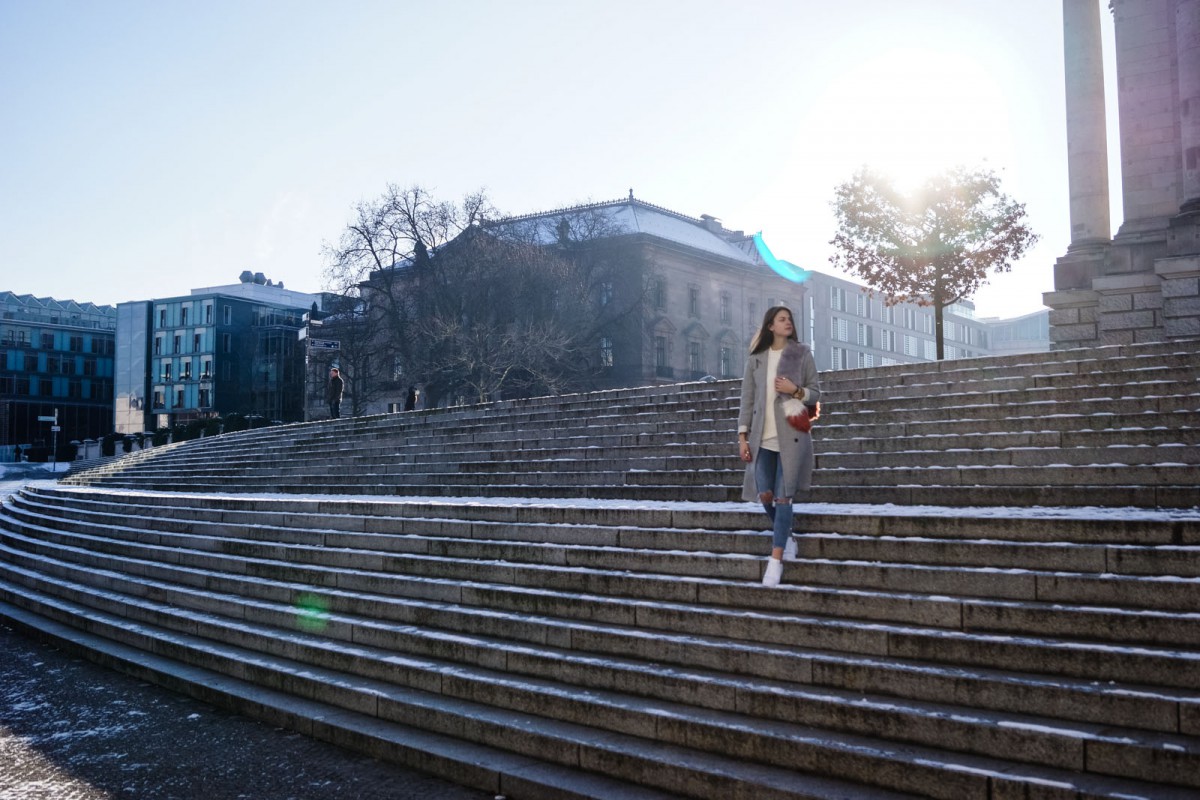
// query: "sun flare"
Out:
[914,112]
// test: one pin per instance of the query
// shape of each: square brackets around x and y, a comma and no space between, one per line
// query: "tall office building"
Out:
[57,361]
[219,350]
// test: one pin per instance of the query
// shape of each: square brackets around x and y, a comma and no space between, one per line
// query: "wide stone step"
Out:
[618,757]
[989,690]
[814,749]
[1138,369]
[666,597]
[468,764]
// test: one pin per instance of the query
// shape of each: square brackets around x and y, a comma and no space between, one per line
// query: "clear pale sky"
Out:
[153,147]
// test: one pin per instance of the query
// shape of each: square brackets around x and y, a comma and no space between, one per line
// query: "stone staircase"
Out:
[1115,426]
[614,641]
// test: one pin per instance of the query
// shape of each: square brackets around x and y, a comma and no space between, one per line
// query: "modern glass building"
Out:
[56,360]
[219,350]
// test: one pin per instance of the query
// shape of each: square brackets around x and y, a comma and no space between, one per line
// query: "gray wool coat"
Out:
[795,448]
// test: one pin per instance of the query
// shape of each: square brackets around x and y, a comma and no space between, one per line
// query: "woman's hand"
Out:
[785,386]
[744,451]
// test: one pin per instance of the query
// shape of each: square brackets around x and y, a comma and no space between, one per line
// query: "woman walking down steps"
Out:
[778,387]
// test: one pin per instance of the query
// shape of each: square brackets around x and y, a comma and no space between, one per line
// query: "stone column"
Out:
[1148,94]
[1187,50]
[1087,140]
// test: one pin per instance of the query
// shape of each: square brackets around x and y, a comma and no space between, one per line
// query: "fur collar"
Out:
[791,361]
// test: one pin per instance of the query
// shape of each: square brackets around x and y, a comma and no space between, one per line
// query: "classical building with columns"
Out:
[1143,284]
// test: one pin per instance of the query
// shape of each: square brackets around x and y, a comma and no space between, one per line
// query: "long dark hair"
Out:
[762,340]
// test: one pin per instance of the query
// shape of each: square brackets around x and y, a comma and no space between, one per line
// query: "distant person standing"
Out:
[334,393]
[410,400]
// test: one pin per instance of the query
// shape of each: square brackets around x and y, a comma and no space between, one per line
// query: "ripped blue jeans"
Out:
[768,477]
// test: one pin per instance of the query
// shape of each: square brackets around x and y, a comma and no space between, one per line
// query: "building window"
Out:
[47,341]
[694,301]
[75,389]
[162,318]
[660,293]
[68,366]
[726,308]
[227,312]
[726,362]
[177,348]
[606,293]
[183,315]
[89,366]
[840,329]
[606,352]
[910,345]
[839,359]
[23,387]
[166,370]
[53,364]
[226,342]
[661,361]
[208,314]
[860,305]
[837,298]
[752,311]
[158,345]
[195,343]
[31,362]
[187,370]
[204,401]
[207,369]
[695,357]
[179,398]
[158,400]
[45,387]
[930,350]
[76,344]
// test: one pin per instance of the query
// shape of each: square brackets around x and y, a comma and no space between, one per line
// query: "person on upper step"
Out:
[333,392]
[780,390]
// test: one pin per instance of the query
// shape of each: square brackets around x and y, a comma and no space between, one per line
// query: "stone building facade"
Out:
[1143,284]
[705,291]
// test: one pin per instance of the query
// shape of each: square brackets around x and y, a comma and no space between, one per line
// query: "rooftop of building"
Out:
[630,216]
[48,310]
[254,287]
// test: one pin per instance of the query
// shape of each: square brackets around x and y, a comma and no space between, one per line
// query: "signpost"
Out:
[54,429]
[324,344]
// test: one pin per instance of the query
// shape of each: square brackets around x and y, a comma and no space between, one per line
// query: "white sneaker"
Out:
[789,549]
[773,572]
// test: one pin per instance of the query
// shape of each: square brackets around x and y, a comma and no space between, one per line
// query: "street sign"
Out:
[55,428]
[324,344]
[47,419]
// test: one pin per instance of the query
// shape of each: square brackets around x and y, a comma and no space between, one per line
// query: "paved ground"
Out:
[71,730]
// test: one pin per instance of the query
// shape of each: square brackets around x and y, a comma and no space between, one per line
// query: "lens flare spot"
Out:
[312,613]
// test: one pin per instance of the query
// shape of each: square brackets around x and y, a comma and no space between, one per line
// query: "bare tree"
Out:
[933,247]
[476,307]
[370,268]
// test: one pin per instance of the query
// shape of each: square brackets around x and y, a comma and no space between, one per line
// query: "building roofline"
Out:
[630,201]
